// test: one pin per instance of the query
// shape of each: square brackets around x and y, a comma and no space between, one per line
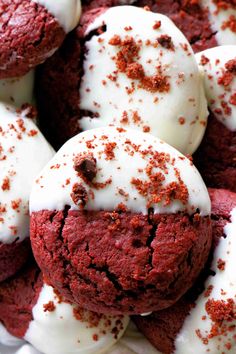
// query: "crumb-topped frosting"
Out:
[23,153]
[222,16]
[211,326]
[143,79]
[218,66]
[60,328]
[67,12]
[110,168]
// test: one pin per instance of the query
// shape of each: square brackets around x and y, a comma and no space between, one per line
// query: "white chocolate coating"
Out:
[218,18]
[23,153]
[132,342]
[221,98]
[18,90]
[59,332]
[127,165]
[67,12]
[7,339]
[176,114]
[224,288]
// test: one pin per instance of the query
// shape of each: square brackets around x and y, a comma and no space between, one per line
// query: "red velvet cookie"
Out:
[32,310]
[31,31]
[20,143]
[215,158]
[109,70]
[203,321]
[126,226]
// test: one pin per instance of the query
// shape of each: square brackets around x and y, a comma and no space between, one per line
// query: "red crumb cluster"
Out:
[94,320]
[127,62]
[49,307]
[225,4]
[230,23]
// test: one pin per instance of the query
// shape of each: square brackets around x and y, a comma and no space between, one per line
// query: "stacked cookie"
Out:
[122,226]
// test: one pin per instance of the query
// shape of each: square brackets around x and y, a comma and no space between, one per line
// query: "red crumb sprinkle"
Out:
[208,291]
[6,184]
[232,99]
[109,150]
[230,24]
[157,25]
[146,129]
[95,337]
[221,264]
[79,195]
[181,120]
[15,204]
[166,41]
[32,132]
[49,307]
[226,79]
[204,60]
[127,62]
[231,66]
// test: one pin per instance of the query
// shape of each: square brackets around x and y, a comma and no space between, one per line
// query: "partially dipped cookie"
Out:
[32,310]
[31,31]
[120,222]
[110,71]
[23,153]
[203,321]
[216,155]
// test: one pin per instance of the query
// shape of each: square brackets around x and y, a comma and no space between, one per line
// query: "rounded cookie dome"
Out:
[126,229]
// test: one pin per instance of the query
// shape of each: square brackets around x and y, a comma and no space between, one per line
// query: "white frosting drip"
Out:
[67,12]
[58,177]
[18,90]
[59,332]
[217,94]
[177,116]
[27,349]
[23,153]
[224,287]
[217,20]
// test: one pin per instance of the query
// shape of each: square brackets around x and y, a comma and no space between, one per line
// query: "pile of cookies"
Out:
[114,243]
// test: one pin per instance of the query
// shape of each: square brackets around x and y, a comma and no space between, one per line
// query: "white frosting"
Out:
[218,19]
[7,339]
[177,116]
[217,94]
[59,176]
[133,342]
[224,287]
[67,12]
[23,153]
[59,332]
[18,90]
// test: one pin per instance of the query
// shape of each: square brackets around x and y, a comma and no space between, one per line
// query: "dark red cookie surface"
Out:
[18,295]
[215,158]
[28,36]
[162,327]
[12,257]
[120,263]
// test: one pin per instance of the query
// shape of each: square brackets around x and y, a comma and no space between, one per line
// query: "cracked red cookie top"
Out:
[203,321]
[119,222]
[31,31]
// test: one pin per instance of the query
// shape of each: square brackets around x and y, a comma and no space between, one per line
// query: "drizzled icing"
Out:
[23,153]
[222,16]
[110,168]
[211,326]
[67,12]
[147,80]
[218,67]
[86,332]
